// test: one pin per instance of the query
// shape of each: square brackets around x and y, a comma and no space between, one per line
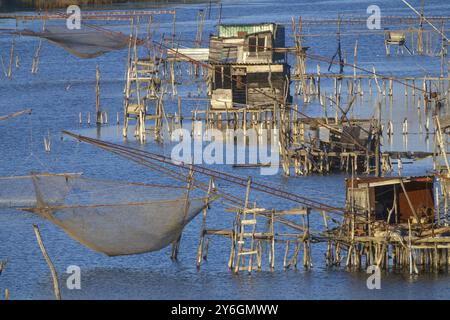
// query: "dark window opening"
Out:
[252,44]
[384,200]
[239,89]
[261,44]
[222,77]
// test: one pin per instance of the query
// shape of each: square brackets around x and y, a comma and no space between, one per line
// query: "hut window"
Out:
[257,44]
[262,44]
[222,76]
[252,44]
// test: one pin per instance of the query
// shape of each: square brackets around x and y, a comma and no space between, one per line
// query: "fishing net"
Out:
[87,42]
[111,217]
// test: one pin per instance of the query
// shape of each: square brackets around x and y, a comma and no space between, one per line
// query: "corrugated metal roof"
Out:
[185,54]
[232,30]
[406,179]
[256,63]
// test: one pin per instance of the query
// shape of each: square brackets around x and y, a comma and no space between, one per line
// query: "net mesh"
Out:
[85,42]
[111,217]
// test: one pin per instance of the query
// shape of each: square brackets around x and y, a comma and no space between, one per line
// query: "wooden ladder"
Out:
[141,88]
[248,220]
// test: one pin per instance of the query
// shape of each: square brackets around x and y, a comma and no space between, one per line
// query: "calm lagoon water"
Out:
[64,86]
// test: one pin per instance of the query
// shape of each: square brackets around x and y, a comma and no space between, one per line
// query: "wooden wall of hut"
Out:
[250,84]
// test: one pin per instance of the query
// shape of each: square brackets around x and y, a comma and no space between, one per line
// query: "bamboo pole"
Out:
[203,228]
[98,111]
[56,286]
[176,243]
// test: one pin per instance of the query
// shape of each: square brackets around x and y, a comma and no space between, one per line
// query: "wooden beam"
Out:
[56,287]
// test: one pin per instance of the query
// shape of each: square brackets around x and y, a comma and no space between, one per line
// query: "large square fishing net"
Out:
[115,218]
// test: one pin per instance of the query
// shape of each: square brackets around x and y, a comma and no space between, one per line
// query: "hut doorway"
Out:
[384,203]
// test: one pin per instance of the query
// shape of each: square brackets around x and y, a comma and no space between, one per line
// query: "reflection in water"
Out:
[185,284]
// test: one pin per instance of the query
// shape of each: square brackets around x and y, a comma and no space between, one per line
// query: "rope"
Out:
[129,152]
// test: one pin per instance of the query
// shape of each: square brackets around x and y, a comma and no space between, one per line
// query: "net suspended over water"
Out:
[111,217]
[87,42]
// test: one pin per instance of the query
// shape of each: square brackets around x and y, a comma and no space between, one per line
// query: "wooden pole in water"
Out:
[443,50]
[56,287]
[318,81]
[11,56]
[378,144]
[174,25]
[203,230]
[438,213]
[272,244]
[176,243]
[35,63]
[98,111]
[180,116]
[355,57]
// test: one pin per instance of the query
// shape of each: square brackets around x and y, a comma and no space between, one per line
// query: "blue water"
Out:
[65,86]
